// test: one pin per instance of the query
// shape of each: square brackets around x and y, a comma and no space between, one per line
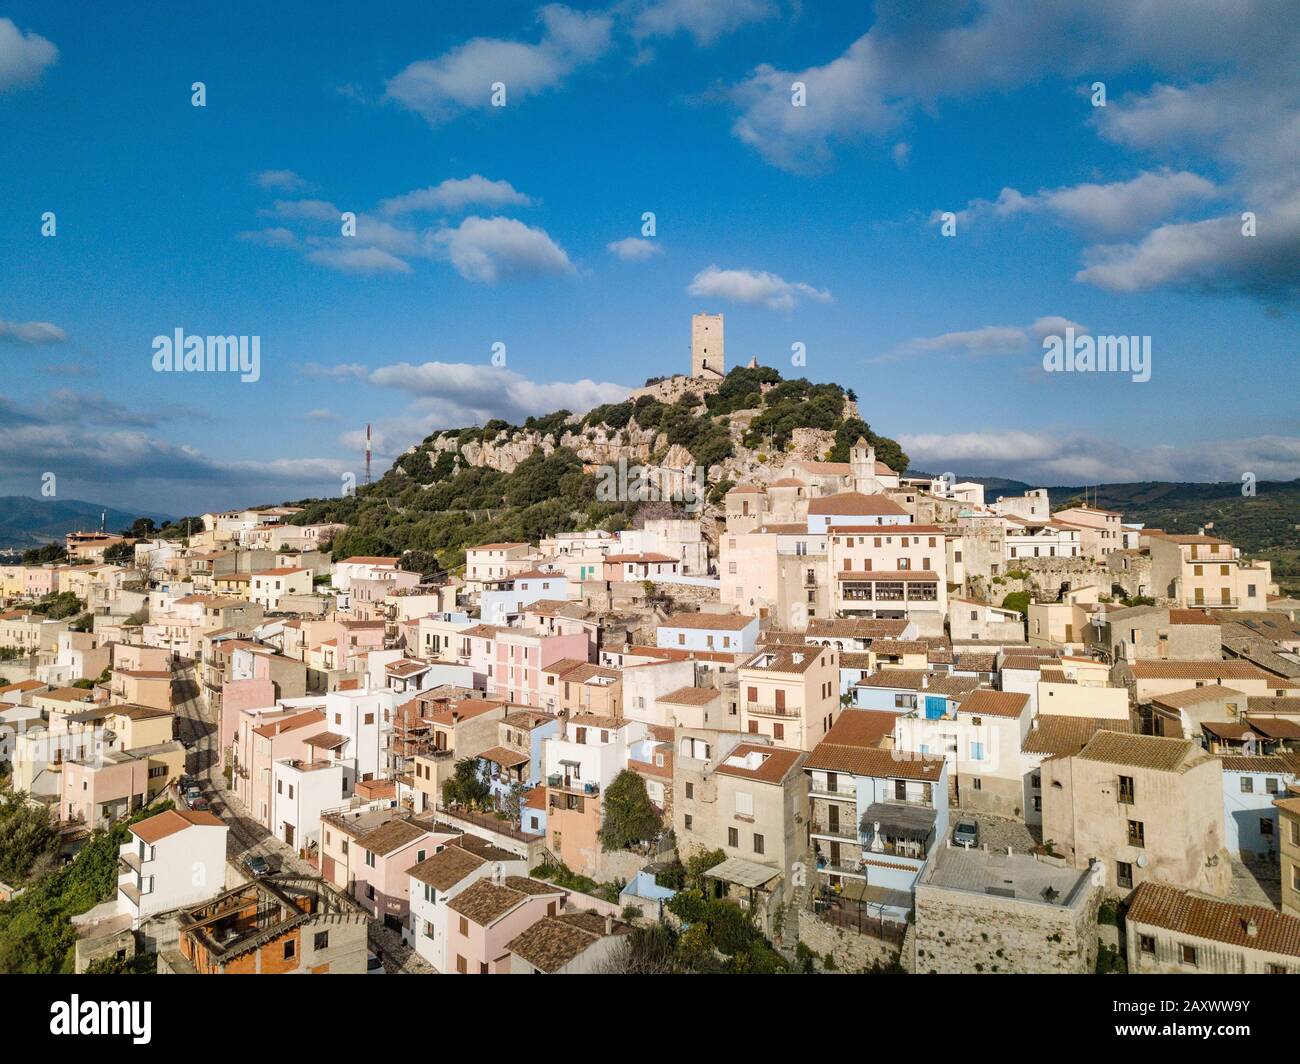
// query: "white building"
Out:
[175,858]
[300,791]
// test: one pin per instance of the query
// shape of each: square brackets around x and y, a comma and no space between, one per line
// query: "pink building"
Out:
[484,919]
[263,737]
[41,580]
[99,791]
[519,656]
[386,856]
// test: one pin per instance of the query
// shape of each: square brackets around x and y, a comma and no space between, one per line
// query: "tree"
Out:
[51,552]
[467,786]
[120,554]
[1018,601]
[27,840]
[630,816]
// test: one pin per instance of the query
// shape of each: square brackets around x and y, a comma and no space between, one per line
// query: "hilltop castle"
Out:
[708,357]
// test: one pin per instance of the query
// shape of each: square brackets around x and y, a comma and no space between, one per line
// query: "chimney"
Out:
[925,681]
[1252,928]
[609,924]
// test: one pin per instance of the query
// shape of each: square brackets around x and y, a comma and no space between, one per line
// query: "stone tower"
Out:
[706,346]
[862,464]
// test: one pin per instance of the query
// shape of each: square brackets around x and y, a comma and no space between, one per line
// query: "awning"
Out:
[899,821]
[743,873]
[504,756]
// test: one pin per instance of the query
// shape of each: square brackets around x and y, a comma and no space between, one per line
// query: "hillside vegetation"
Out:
[424,505]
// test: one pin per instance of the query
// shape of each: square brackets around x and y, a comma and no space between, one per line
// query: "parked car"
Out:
[374,966]
[190,794]
[256,865]
[966,833]
[187,783]
[199,805]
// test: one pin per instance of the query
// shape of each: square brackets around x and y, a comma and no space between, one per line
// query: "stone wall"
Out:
[962,931]
[852,952]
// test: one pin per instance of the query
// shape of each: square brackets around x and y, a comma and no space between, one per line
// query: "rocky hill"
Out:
[502,482]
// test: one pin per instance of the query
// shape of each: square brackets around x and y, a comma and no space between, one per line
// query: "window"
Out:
[370,892]
[900,790]
[1147,944]
[690,789]
[758,843]
[1271,785]
[778,731]
[977,784]
[977,753]
[744,803]
[370,859]
[1189,955]
[1295,832]
[290,948]
[322,940]
[733,837]
[1277,969]
[689,821]
[1247,785]
[1266,826]
[462,965]
[1123,874]
[1126,790]
[464,926]
[1136,833]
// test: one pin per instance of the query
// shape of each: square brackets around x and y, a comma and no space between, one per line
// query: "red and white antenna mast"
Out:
[367,453]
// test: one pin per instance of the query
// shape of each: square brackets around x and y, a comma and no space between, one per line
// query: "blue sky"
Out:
[481,224]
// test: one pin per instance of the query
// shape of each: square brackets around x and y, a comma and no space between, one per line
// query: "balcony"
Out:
[130,859]
[840,830]
[764,709]
[559,782]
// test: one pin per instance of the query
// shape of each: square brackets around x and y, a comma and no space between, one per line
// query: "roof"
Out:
[326,740]
[861,727]
[554,941]
[1197,915]
[987,703]
[486,902]
[776,763]
[159,827]
[392,836]
[445,869]
[692,696]
[1141,751]
[722,622]
[869,761]
[1202,670]
[1193,695]
[854,503]
[743,873]
[504,756]
[1058,735]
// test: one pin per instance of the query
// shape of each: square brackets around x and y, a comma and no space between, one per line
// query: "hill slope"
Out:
[27,522]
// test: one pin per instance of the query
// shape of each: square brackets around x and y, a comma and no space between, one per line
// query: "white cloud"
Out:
[358,260]
[306,210]
[755,287]
[23,56]
[285,180]
[1076,458]
[1116,208]
[31,332]
[461,79]
[459,393]
[705,22]
[1208,256]
[901,153]
[916,55]
[488,249]
[635,249]
[985,340]
[455,194]
[271,237]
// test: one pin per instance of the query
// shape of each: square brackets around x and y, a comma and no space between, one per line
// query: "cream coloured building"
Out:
[790,695]
[1146,807]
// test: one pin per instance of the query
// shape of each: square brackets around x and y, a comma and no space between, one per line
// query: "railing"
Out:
[763,709]
[839,831]
[859,919]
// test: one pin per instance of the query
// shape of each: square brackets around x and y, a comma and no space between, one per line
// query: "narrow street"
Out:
[195,724]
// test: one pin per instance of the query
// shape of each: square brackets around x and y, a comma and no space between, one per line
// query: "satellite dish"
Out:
[1142,860]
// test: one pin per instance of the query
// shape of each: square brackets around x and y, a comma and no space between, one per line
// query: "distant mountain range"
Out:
[27,522]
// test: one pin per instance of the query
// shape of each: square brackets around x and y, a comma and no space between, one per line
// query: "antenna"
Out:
[367,453]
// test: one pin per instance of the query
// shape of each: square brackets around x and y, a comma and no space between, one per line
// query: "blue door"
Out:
[935,706]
